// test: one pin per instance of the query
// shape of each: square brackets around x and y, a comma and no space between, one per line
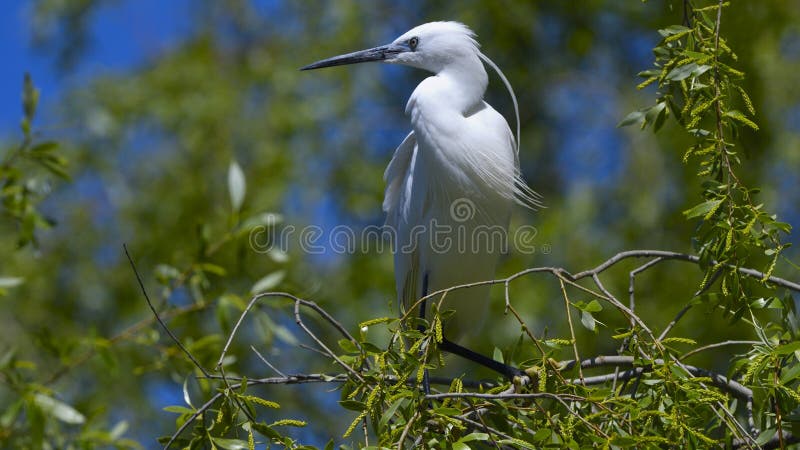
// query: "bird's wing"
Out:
[399,179]
[395,177]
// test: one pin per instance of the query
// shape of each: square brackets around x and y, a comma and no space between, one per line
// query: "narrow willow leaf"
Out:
[587,319]
[9,282]
[702,209]
[230,444]
[632,118]
[60,410]
[237,186]
[268,282]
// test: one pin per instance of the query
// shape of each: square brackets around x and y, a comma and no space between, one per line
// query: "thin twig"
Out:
[505,396]
[734,388]
[158,318]
[299,320]
[483,426]
[631,315]
[406,429]
[632,277]
[716,345]
[689,304]
[774,442]
[561,398]
[571,328]
[264,360]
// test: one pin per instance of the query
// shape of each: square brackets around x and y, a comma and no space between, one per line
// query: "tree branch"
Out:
[158,318]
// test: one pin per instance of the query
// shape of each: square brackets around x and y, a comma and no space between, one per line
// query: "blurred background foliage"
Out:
[149,146]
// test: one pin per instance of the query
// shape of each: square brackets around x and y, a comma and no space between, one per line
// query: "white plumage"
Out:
[458,168]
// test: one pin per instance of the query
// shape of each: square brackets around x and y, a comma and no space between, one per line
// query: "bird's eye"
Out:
[413,42]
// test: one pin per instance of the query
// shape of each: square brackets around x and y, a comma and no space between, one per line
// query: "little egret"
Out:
[451,183]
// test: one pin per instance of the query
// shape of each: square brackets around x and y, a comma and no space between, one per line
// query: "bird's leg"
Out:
[449,346]
[426,382]
[503,369]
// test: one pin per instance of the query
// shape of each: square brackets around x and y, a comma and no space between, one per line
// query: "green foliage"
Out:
[698,86]
[37,417]
[26,172]
[229,134]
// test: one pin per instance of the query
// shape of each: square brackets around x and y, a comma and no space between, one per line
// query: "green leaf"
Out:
[9,282]
[30,98]
[786,349]
[10,414]
[661,116]
[178,409]
[266,431]
[681,72]
[353,405]
[230,444]
[268,282]
[59,409]
[790,374]
[497,355]
[474,437]
[518,443]
[55,166]
[673,29]
[542,434]
[237,186]
[213,268]
[7,357]
[165,273]
[392,409]
[632,118]
[264,219]
[765,436]
[653,112]
[186,397]
[348,346]
[685,71]
[445,411]
[44,147]
[702,208]
[277,255]
[587,319]
[593,307]
[285,335]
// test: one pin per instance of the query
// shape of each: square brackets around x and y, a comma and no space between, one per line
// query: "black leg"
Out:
[503,369]
[451,347]
[426,381]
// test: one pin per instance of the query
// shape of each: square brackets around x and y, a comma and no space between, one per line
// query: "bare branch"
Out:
[706,286]
[571,329]
[734,388]
[716,345]
[632,276]
[298,319]
[264,360]
[158,318]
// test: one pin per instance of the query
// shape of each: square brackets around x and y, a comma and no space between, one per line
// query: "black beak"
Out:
[373,54]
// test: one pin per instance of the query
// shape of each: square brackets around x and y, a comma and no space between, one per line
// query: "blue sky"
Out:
[123,34]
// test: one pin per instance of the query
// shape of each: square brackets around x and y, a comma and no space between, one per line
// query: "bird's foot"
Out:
[426,383]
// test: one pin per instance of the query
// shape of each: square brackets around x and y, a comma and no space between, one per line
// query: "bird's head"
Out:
[431,46]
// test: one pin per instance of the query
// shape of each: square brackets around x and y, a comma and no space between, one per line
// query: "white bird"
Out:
[453,180]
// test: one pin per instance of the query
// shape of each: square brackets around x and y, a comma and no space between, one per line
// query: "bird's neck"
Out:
[466,83]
